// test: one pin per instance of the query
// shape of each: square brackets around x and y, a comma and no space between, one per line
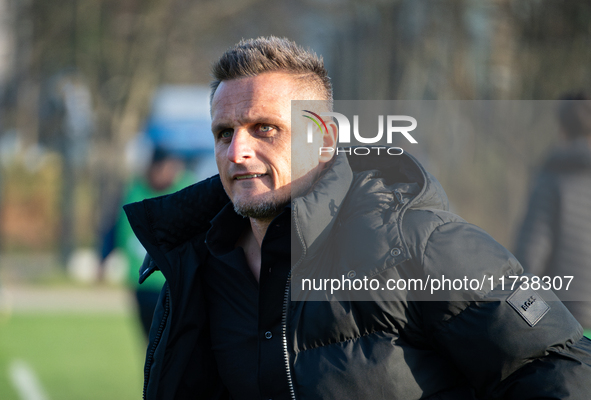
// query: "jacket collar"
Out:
[314,214]
[162,223]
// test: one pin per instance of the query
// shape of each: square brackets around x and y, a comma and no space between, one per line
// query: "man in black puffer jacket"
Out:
[236,320]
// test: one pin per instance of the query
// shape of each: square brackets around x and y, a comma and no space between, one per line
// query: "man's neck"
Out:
[259,228]
[251,242]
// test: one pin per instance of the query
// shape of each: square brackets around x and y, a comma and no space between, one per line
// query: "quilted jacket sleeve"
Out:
[504,353]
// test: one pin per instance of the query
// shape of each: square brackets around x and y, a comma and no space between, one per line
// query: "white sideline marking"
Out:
[25,381]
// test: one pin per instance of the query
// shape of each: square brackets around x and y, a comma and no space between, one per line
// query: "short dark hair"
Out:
[574,113]
[253,57]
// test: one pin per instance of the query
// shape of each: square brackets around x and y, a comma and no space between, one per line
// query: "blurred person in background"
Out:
[555,237]
[165,174]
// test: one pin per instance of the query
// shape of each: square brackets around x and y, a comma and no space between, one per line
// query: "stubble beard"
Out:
[261,209]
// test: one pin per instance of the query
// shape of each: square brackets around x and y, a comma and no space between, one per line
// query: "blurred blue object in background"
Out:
[180,121]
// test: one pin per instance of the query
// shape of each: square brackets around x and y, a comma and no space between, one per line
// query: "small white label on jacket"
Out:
[529,305]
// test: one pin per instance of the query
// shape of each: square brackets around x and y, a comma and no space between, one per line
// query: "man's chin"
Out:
[261,209]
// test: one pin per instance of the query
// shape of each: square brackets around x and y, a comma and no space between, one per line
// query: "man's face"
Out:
[251,124]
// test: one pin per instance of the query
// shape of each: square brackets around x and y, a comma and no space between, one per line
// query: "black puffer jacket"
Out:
[387,218]
[555,238]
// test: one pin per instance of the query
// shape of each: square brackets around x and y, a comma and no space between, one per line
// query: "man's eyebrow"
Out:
[254,119]
[220,126]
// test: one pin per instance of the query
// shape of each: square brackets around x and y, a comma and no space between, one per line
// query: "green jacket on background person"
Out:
[138,190]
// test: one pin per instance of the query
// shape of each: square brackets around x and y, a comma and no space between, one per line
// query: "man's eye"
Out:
[266,128]
[225,134]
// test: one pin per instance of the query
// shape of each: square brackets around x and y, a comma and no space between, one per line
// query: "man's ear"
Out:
[329,141]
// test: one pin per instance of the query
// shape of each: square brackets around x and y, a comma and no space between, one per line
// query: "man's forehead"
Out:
[251,97]
[269,84]
[268,81]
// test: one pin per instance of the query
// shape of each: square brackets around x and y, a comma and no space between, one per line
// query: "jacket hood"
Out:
[573,157]
[367,196]
[405,174]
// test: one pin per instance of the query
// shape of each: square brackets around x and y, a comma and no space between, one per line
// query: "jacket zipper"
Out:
[284,334]
[285,305]
[156,341]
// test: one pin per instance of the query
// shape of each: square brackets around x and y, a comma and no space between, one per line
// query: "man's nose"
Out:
[241,147]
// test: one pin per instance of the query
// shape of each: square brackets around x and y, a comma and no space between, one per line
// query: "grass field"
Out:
[74,356]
